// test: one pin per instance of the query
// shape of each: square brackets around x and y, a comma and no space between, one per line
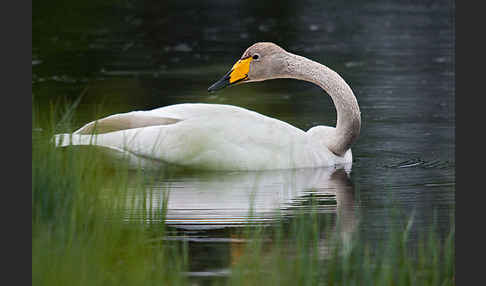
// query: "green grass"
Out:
[299,254]
[79,238]
[75,239]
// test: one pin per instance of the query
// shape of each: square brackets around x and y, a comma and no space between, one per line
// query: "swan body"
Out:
[226,137]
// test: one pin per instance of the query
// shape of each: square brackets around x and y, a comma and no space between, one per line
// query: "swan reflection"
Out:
[206,200]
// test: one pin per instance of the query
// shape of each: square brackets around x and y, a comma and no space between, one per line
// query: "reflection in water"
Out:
[208,200]
[203,204]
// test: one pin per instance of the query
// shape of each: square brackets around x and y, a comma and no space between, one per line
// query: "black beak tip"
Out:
[220,84]
[212,88]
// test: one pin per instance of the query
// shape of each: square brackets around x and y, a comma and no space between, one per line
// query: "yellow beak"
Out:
[238,72]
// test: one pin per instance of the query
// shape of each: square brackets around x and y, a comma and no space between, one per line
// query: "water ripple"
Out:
[420,163]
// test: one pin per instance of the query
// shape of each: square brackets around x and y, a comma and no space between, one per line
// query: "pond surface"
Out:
[398,57]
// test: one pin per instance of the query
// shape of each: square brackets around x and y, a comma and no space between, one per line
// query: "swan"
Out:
[226,137]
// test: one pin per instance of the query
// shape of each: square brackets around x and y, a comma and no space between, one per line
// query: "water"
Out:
[397,56]
[213,200]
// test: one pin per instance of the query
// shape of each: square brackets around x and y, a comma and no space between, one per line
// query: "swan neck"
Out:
[348,123]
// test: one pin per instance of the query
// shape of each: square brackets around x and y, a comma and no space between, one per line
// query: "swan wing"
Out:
[125,121]
[159,116]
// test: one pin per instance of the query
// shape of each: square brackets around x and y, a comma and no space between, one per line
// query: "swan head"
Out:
[261,61]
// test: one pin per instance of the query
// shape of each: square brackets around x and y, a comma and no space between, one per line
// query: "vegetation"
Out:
[79,237]
[298,255]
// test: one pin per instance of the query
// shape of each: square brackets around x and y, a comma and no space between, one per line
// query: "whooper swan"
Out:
[226,137]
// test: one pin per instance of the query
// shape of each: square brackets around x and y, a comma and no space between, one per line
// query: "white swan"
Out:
[225,137]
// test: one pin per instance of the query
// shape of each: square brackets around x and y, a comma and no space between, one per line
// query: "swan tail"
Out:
[67,139]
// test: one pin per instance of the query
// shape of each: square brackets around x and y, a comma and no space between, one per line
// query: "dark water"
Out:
[397,56]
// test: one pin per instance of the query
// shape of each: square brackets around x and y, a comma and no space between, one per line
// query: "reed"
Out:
[76,195]
[310,251]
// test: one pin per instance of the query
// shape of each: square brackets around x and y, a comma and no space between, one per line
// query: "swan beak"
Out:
[238,73]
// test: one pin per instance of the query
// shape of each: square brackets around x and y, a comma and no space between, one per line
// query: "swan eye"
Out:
[255,56]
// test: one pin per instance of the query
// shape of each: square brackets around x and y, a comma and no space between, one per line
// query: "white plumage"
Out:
[225,137]
[214,137]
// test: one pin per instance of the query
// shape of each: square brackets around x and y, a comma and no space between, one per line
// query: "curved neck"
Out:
[348,114]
